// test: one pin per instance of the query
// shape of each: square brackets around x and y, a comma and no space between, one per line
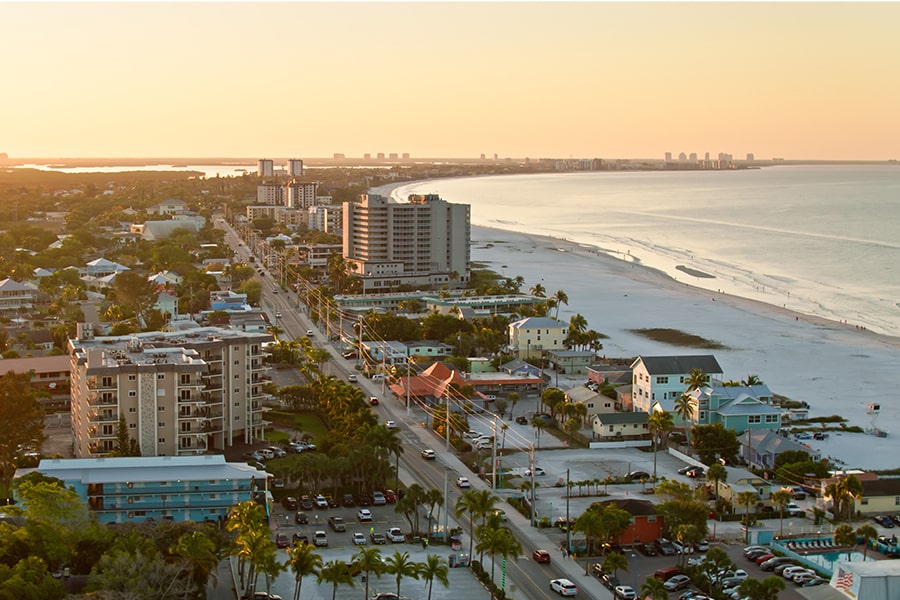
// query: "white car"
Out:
[625,592]
[309,333]
[791,571]
[321,502]
[463,482]
[563,587]
[429,454]
[391,425]
[359,539]
[538,471]
[395,534]
[364,515]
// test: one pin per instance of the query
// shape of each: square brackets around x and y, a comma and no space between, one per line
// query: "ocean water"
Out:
[820,240]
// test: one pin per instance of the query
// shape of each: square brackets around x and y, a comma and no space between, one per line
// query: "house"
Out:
[741,480]
[662,379]
[880,494]
[532,336]
[428,348]
[384,353]
[646,524]
[764,446]
[135,489]
[15,296]
[49,376]
[595,402]
[520,368]
[620,425]
[160,230]
[571,362]
[101,268]
[735,407]
[168,207]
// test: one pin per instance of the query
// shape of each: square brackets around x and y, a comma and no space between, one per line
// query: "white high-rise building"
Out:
[266,168]
[178,393]
[270,193]
[422,242]
[295,167]
[300,194]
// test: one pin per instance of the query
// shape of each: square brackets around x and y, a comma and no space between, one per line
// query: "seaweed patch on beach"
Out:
[676,337]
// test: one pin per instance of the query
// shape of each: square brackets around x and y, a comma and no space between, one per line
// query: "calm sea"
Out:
[821,240]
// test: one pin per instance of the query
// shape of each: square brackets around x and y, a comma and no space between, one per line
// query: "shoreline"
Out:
[642,272]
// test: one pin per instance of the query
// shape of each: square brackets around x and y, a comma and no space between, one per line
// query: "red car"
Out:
[541,556]
[281,540]
[761,559]
[390,496]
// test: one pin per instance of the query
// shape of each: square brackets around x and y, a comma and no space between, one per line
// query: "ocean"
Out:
[819,240]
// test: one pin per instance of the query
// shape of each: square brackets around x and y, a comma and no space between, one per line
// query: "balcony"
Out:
[96,432]
[103,417]
[98,399]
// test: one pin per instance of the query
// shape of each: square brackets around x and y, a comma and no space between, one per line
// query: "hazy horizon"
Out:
[800,81]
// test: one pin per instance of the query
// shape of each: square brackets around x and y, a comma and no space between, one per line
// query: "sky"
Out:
[537,79]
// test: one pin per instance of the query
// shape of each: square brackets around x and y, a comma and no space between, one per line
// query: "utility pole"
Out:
[494,455]
[446,509]
[568,523]
[531,466]
[447,423]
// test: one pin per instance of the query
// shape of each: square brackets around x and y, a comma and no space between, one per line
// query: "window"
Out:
[160,375]
[702,416]
[662,380]
[771,418]
[161,440]
[185,379]
[161,408]
[237,375]
[132,409]
[237,390]
[754,419]
[132,426]
[132,377]
[161,424]
[106,381]
[610,428]
[132,393]
[896,500]
[237,362]
[864,501]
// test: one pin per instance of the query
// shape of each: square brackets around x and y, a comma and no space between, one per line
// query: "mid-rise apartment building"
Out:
[299,194]
[421,242]
[180,393]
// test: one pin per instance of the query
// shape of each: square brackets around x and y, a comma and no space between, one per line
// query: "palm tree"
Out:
[592,524]
[752,380]
[477,504]
[696,380]
[336,573]
[538,423]
[747,499]
[717,473]
[845,536]
[654,589]
[399,565]
[852,490]
[538,290]
[867,533]
[200,557]
[684,408]
[781,498]
[660,422]
[614,562]
[767,589]
[561,298]
[434,567]
[513,398]
[497,541]
[304,560]
[368,560]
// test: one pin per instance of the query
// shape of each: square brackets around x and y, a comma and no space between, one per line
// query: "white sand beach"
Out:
[836,368]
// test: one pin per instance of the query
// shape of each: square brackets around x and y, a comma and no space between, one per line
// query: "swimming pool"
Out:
[806,553]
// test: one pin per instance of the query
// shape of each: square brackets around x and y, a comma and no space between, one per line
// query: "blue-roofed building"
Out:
[177,488]
[736,407]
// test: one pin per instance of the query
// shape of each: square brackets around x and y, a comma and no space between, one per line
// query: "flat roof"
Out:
[149,468]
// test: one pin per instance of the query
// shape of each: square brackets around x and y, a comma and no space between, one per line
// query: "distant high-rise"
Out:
[367,156]
[393,156]
[295,167]
[380,156]
[299,194]
[423,242]
[750,156]
[266,168]
[707,156]
[406,156]
[668,156]
[682,156]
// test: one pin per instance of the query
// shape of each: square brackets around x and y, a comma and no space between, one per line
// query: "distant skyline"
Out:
[813,81]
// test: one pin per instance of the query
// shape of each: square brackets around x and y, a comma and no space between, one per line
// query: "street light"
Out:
[634,568]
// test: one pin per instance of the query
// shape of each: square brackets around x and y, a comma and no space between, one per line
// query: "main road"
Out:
[530,579]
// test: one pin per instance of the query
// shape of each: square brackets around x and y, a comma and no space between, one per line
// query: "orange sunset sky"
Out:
[792,80]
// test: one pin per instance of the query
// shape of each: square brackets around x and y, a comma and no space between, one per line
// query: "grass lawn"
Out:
[301,423]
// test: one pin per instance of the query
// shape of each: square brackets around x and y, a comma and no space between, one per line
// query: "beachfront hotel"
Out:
[423,242]
[180,393]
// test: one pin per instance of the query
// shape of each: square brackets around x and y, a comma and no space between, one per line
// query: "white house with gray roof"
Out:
[657,381]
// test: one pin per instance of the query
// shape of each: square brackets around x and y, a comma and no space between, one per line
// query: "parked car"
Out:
[664,546]
[348,500]
[538,471]
[289,503]
[682,548]
[337,523]
[306,503]
[625,592]
[884,521]
[702,546]
[378,498]
[638,475]
[677,582]
[793,510]
[647,549]
[364,515]
[301,519]
[299,538]
[321,502]
[320,538]
[390,496]
[395,534]
[377,538]
[281,540]
[773,562]
[278,484]
[563,587]
[359,539]
[541,556]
